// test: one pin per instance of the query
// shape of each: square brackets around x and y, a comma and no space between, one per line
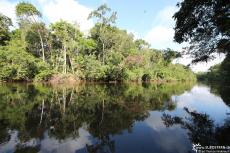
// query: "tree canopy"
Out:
[60,51]
[205,26]
[25,9]
[5,23]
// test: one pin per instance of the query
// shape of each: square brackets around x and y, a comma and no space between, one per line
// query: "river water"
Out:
[113,118]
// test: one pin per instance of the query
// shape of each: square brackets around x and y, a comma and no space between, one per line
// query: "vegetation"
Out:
[200,127]
[37,52]
[205,26]
[218,73]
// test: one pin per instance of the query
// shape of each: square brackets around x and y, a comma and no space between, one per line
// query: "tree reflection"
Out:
[200,128]
[223,90]
[21,149]
[103,110]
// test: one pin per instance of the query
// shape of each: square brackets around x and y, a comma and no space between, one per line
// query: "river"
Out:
[113,118]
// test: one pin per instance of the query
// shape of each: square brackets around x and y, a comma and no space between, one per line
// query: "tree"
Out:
[169,55]
[16,64]
[142,44]
[5,23]
[205,26]
[66,37]
[32,39]
[27,14]
[104,20]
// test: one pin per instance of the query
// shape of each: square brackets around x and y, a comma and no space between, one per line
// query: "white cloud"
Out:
[201,100]
[161,37]
[164,17]
[201,66]
[8,8]
[161,34]
[69,10]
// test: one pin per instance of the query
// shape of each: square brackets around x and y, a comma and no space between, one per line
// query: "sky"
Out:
[150,20]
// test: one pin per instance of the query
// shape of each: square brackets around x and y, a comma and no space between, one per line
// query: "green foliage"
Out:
[25,9]
[106,54]
[205,25]
[44,72]
[103,16]
[92,69]
[32,39]
[5,23]
[219,73]
[16,64]
[169,55]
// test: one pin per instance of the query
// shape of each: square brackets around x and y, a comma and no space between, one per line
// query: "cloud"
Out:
[8,8]
[202,100]
[201,66]
[69,10]
[160,36]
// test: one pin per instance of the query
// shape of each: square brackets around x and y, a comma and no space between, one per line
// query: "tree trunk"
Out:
[42,45]
[41,116]
[102,113]
[103,57]
[64,65]
[71,64]
[64,99]
[41,40]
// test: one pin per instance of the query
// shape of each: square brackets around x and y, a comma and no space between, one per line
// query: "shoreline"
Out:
[98,82]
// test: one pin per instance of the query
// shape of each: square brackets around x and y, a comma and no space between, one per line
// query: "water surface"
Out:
[112,118]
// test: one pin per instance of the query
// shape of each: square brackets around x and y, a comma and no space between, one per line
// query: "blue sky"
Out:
[150,20]
[146,19]
[135,14]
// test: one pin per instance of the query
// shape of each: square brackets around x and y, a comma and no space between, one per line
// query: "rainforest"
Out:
[60,52]
[129,83]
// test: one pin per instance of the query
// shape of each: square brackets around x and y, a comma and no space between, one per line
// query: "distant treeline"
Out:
[219,73]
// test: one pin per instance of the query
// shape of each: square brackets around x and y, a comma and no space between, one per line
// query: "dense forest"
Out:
[34,51]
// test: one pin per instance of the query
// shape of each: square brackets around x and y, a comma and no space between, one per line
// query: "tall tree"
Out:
[205,25]
[66,38]
[27,13]
[104,20]
[5,23]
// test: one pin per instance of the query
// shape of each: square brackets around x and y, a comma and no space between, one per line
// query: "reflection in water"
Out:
[201,128]
[100,118]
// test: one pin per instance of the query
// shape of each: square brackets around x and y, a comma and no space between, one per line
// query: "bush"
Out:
[115,73]
[44,75]
[93,69]
[17,65]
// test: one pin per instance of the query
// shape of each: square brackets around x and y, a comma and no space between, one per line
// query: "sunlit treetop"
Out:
[27,9]
[103,15]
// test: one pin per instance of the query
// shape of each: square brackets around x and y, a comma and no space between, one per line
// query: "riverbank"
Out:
[73,79]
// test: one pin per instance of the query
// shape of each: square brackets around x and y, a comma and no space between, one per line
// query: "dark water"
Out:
[123,118]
